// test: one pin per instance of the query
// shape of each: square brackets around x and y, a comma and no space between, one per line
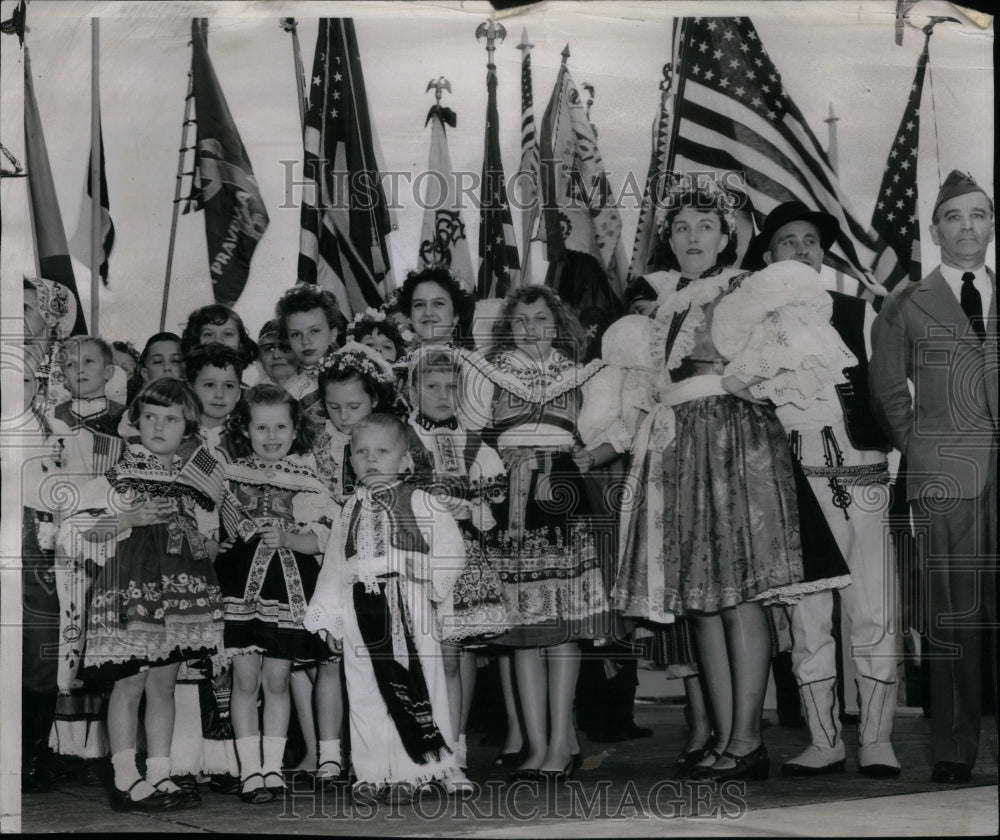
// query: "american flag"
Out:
[645,232]
[500,267]
[345,218]
[732,113]
[896,218]
[528,172]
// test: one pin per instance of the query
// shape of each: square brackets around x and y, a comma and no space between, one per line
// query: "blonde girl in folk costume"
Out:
[537,398]
[156,602]
[717,533]
[352,382]
[399,555]
[467,476]
[275,522]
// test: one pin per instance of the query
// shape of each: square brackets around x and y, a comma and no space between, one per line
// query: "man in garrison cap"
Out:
[843,454]
[934,335]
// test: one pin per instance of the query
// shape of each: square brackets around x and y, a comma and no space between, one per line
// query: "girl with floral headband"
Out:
[717,533]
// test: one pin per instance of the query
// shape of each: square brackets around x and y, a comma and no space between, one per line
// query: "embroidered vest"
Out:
[855,397]
[404,533]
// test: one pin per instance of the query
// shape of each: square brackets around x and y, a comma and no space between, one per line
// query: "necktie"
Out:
[972,303]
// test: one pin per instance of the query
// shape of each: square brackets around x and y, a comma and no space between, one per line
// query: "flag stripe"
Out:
[345,218]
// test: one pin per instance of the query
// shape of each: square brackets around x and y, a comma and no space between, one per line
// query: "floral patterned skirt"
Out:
[478,609]
[728,528]
[545,553]
[155,602]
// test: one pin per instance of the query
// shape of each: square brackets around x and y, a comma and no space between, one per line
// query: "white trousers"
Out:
[869,601]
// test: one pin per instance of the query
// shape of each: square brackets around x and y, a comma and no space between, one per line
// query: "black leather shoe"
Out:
[752,766]
[687,761]
[121,800]
[951,773]
[511,759]
[187,797]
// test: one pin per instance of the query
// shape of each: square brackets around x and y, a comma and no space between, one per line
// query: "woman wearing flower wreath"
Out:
[537,398]
[716,533]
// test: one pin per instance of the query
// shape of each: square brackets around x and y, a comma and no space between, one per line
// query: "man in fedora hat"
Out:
[933,335]
[843,454]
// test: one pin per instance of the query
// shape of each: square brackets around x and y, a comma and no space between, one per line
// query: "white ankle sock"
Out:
[274,752]
[330,751]
[248,753]
[158,770]
[127,774]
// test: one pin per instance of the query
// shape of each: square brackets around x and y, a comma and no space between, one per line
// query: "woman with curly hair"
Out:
[535,397]
[717,533]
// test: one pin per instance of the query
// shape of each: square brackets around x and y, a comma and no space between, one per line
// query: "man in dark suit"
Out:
[933,334]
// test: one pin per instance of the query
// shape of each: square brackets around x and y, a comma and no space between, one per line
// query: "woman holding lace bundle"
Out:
[718,532]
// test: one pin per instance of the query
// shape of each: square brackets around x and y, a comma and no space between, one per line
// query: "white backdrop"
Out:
[827,52]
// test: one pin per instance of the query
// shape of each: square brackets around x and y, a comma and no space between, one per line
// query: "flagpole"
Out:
[177,197]
[529,225]
[831,152]
[292,25]
[95,176]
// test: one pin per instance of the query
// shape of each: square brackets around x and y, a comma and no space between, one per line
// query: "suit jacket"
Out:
[948,427]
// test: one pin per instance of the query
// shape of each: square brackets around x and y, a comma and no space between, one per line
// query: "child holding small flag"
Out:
[156,602]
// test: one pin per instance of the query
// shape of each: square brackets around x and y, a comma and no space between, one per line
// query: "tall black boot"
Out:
[38,711]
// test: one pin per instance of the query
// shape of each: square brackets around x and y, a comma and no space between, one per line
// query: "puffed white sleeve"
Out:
[447,548]
[776,326]
[614,401]
[326,607]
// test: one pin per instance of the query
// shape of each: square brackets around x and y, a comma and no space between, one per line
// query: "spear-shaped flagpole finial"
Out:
[525,45]
[492,32]
[439,84]
[565,53]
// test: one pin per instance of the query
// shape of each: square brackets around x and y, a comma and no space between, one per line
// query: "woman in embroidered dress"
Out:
[534,395]
[718,534]
[156,602]
[277,511]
